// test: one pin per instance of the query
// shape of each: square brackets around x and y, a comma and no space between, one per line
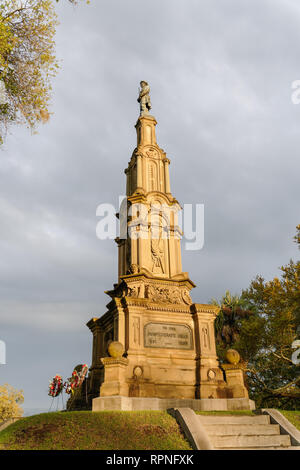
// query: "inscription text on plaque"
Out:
[168,335]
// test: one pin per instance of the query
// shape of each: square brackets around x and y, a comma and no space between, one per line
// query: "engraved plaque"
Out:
[168,335]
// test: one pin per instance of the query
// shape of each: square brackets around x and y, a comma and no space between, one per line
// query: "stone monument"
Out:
[154,347]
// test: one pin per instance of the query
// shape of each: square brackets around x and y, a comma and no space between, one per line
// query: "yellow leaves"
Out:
[27,59]
[9,402]
[6,44]
[43,115]
[297,236]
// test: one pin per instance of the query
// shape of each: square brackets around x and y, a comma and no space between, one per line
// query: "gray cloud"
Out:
[220,75]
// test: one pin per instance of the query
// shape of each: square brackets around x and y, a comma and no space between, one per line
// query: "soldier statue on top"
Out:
[144,98]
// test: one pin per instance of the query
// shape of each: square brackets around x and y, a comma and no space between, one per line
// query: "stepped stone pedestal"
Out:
[205,404]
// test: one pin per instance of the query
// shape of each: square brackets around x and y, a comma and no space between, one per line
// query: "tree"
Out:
[9,402]
[75,1]
[297,236]
[236,326]
[264,335]
[273,374]
[27,61]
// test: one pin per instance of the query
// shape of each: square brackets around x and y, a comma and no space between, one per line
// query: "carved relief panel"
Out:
[136,327]
[152,177]
[205,337]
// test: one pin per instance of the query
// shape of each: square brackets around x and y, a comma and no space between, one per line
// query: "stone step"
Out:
[234,419]
[242,429]
[260,441]
[259,448]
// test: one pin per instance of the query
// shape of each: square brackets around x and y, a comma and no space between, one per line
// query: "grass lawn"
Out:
[103,430]
[292,416]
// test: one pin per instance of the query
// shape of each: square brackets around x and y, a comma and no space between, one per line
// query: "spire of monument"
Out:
[148,184]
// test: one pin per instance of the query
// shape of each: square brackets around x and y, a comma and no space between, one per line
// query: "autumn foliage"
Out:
[10,399]
[27,60]
[263,324]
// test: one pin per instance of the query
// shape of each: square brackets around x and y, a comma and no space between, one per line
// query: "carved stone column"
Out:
[167,176]
[209,378]
[139,183]
[96,369]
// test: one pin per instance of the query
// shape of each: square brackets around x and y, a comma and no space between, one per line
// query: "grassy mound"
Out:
[293,417]
[104,430]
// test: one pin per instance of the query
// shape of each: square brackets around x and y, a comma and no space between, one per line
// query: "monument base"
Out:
[140,403]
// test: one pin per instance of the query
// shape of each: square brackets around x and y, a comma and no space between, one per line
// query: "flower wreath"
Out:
[78,376]
[55,386]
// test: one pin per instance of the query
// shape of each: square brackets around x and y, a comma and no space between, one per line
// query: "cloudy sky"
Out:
[220,73]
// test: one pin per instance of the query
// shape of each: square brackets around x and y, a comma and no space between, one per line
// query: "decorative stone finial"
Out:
[144,98]
[233,356]
[116,349]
